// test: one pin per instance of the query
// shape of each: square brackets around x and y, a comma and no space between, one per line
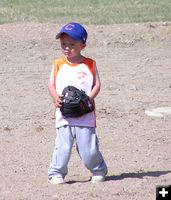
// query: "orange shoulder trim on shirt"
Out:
[57,65]
[88,61]
[91,65]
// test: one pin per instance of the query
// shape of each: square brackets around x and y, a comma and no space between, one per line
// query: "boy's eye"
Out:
[68,45]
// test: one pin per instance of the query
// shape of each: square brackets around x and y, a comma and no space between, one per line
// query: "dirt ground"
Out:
[134,63]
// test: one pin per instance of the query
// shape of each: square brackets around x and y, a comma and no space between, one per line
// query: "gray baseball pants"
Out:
[87,147]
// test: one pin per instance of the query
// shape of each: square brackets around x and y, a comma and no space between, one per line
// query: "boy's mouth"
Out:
[67,52]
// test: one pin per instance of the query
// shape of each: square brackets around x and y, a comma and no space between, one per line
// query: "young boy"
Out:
[76,70]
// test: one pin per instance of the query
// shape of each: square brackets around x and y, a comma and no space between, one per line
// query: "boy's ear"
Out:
[84,45]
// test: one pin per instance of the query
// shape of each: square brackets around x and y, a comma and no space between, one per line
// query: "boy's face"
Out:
[70,47]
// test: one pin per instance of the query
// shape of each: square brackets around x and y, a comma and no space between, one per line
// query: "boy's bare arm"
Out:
[52,90]
[56,98]
[96,85]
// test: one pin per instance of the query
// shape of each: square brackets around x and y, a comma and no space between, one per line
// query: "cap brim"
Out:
[69,34]
[58,35]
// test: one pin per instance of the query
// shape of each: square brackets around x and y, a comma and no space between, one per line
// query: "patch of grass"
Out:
[85,11]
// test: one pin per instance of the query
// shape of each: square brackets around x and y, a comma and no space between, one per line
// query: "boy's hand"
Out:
[57,101]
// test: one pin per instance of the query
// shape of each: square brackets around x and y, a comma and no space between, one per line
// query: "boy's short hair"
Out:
[75,31]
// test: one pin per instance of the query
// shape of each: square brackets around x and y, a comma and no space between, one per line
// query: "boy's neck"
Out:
[76,59]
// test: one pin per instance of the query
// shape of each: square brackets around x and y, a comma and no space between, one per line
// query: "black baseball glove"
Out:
[75,102]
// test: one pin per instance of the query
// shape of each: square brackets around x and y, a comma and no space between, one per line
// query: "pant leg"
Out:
[88,149]
[62,152]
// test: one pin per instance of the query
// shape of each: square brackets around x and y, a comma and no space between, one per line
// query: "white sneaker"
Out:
[97,179]
[56,180]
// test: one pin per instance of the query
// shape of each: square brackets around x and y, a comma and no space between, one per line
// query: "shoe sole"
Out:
[56,182]
[97,179]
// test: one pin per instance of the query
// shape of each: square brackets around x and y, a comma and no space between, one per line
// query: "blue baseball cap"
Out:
[75,31]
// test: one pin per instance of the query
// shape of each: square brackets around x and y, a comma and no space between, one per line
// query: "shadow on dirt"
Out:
[72,182]
[136,175]
[139,175]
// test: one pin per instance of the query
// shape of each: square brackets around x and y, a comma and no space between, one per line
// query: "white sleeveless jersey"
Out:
[82,77]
